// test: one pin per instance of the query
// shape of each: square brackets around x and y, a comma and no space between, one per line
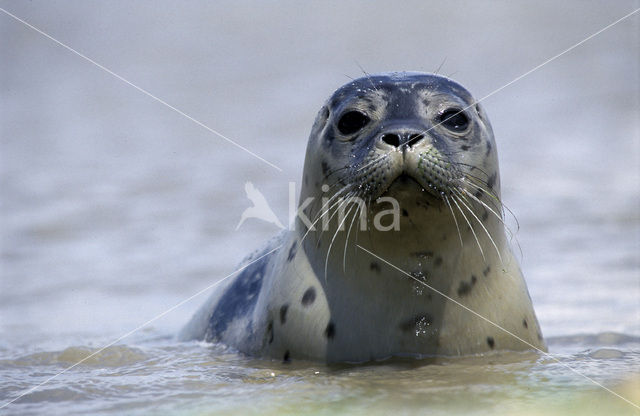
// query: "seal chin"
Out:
[406,185]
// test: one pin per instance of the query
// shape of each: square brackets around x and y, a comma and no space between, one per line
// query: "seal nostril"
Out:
[414,139]
[392,139]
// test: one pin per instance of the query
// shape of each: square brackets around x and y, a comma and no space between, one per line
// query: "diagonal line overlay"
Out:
[279,169]
[142,90]
[546,354]
[177,305]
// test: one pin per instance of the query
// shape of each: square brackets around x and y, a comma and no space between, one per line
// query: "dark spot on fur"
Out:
[465,287]
[486,271]
[330,332]
[479,194]
[287,357]
[409,325]
[491,342]
[492,180]
[438,261]
[325,168]
[292,252]
[465,147]
[539,336]
[283,313]
[375,267]
[423,254]
[371,108]
[405,213]
[485,215]
[270,332]
[525,324]
[488,149]
[309,296]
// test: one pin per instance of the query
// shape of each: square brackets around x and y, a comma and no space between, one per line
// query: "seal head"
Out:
[381,128]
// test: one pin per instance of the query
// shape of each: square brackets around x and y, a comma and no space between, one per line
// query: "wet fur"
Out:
[322,297]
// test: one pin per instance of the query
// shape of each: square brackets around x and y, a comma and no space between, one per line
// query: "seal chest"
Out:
[400,235]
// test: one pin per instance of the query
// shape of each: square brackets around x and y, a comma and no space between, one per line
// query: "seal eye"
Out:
[352,122]
[454,120]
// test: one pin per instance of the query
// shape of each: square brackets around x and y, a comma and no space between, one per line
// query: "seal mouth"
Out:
[404,179]
[422,171]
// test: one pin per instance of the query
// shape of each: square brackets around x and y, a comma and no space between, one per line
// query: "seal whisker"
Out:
[326,262]
[327,206]
[481,183]
[323,211]
[498,216]
[346,241]
[463,192]
[330,200]
[460,196]
[334,171]
[440,158]
[441,65]
[469,179]
[503,206]
[470,227]
[484,182]
[372,162]
[368,76]
[446,198]
[363,165]
[336,208]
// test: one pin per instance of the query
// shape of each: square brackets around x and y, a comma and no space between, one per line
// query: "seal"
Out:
[399,247]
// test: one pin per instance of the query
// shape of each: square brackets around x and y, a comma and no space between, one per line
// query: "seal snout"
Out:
[414,155]
[402,138]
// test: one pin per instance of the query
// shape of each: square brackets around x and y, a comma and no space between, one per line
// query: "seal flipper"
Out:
[238,301]
[227,316]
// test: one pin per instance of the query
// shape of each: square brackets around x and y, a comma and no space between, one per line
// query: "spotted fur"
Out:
[338,296]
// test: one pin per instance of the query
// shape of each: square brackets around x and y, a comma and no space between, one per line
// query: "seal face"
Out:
[400,233]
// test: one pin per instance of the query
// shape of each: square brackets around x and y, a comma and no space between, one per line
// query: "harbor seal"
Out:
[399,248]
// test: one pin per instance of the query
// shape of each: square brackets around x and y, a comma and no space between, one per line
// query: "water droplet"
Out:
[422,326]
[418,289]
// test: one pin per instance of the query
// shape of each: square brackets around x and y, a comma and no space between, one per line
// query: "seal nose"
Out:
[402,138]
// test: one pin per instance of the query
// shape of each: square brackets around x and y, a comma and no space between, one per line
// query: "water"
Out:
[115,208]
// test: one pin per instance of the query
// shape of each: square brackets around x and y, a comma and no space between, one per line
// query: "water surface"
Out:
[114,208]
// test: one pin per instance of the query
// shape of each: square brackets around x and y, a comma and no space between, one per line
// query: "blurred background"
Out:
[114,207]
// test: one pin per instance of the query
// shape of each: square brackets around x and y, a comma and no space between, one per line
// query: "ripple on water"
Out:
[114,356]
[199,377]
